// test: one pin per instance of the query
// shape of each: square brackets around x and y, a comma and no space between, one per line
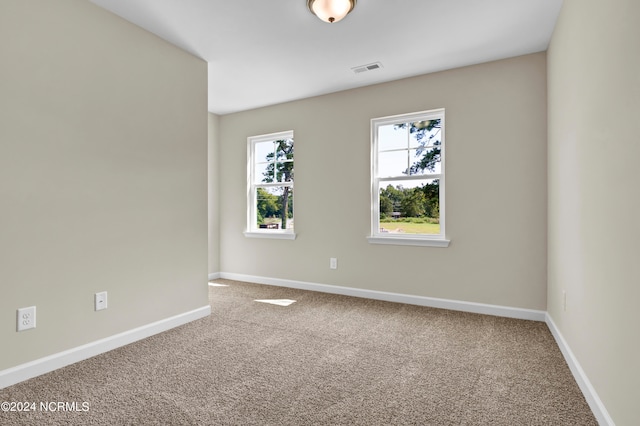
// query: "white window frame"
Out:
[251,230]
[377,237]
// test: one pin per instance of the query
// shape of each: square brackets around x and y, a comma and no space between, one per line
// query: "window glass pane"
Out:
[410,207]
[271,205]
[282,170]
[284,149]
[275,172]
[424,133]
[425,160]
[260,172]
[415,138]
[263,151]
[391,137]
[393,163]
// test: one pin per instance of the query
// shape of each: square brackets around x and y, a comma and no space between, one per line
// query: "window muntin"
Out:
[407,178]
[271,177]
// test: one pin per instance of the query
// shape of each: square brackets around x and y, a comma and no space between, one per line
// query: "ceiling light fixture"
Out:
[331,10]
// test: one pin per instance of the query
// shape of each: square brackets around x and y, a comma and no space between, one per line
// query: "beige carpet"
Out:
[323,360]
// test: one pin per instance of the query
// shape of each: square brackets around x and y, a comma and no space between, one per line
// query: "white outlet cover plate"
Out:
[26,318]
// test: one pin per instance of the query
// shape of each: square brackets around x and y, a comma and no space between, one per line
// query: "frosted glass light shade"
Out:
[331,10]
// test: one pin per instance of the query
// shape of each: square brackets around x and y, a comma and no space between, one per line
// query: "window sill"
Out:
[409,241]
[271,234]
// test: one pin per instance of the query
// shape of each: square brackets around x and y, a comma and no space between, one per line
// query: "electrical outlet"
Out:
[333,263]
[26,318]
[100,301]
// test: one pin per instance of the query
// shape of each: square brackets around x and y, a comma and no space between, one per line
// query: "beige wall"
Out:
[594,208]
[103,176]
[214,193]
[496,188]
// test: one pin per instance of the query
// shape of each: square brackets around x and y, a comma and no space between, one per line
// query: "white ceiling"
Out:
[264,52]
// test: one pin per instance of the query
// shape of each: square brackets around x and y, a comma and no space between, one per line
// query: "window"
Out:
[407,179]
[270,189]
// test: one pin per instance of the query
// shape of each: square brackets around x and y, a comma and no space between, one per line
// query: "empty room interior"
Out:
[133,176]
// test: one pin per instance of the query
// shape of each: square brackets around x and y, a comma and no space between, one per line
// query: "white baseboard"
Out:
[455,305]
[47,364]
[214,276]
[590,394]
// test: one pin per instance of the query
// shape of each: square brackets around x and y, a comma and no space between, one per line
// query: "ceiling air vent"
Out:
[368,67]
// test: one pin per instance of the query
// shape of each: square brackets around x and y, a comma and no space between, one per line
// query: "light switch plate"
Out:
[101,301]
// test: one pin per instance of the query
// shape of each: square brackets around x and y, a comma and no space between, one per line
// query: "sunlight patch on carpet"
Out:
[279,302]
[218,285]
